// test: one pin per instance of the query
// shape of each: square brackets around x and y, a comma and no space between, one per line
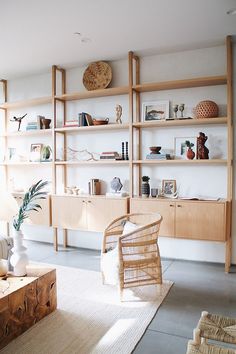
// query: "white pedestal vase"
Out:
[19,259]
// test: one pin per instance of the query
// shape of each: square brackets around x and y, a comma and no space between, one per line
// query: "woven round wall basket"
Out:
[206,109]
[97,76]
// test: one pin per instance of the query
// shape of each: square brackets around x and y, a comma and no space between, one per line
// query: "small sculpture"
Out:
[19,120]
[116,184]
[202,150]
[181,109]
[175,109]
[118,113]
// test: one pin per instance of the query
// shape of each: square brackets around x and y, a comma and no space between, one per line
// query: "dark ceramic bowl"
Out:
[155,149]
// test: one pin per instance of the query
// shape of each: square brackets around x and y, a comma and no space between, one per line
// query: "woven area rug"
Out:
[90,317]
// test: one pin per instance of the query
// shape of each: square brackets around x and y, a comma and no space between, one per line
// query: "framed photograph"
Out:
[169,187]
[182,145]
[35,152]
[156,110]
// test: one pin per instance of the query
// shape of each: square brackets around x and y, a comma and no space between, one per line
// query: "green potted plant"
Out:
[190,153]
[19,258]
[145,186]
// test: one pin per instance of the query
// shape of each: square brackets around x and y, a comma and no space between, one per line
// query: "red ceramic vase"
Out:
[190,154]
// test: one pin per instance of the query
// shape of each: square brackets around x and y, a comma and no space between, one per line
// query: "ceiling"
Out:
[37,34]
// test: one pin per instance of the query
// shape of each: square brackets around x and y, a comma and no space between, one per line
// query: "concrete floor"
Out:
[198,286]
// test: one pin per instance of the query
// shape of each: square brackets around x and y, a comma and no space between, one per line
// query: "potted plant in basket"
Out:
[19,258]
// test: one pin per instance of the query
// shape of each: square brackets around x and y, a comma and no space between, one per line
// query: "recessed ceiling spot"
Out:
[78,33]
[231,12]
[85,40]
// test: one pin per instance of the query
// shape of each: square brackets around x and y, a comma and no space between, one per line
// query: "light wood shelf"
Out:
[26,103]
[114,91]
[26,163]
[181,122]
[179,84]
[92,128]
[39,132]
[181,162]
[99,162]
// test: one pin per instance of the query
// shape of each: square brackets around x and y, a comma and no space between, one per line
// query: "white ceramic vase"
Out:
[19,259]
[3,267]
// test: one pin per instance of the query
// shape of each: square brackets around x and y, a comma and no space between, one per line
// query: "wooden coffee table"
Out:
[25,301]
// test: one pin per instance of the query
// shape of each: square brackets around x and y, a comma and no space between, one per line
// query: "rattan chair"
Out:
[138,254]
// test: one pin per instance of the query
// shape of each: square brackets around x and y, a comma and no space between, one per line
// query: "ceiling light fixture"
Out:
[85,40]
[231,12]
[78,33]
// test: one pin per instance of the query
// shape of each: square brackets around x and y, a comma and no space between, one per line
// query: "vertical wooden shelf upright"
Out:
[137,126]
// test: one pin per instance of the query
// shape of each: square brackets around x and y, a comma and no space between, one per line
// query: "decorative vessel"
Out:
[206,109]
[98,75]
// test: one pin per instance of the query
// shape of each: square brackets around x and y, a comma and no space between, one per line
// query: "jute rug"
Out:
[90,317]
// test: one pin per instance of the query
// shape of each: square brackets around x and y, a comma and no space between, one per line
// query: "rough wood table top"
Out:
[25,300]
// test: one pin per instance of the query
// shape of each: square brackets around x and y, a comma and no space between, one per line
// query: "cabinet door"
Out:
[165,208]
[69,212]
[101,211]
[201,220]
[43,216]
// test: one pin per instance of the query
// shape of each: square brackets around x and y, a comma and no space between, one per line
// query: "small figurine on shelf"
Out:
[18,120]
[181,109]
[202,150]
[175,109]
[118,113]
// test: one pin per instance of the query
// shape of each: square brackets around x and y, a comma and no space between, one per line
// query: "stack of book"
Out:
[84,119]
[32,126]
[71,123]
[109,155]
[158,157]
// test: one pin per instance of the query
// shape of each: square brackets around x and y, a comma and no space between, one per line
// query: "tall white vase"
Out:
[19,259]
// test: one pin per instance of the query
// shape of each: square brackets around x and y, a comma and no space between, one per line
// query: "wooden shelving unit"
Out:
[135,127]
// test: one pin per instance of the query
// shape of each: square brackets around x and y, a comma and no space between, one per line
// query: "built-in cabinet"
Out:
[194,220]
[91,213]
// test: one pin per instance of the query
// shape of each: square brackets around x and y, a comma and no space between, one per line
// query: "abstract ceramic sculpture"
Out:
[202,150]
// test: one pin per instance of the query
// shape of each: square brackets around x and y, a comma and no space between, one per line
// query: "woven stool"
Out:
[217,327]
[194,348]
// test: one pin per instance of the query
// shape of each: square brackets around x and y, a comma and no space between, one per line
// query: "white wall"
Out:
[202,180]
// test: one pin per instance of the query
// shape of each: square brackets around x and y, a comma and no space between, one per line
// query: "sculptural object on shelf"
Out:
[202,150]
[18,120]
[118,113]
[116,184]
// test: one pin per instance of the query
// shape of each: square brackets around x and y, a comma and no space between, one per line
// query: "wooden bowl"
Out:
[100,121]
[155,149]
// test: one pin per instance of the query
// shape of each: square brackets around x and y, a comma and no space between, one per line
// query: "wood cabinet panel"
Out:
[101,211]
[69,212]
[165,208]
[43,216]
[201,220]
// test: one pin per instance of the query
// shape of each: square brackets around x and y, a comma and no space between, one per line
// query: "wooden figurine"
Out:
[202,150]
[118,113]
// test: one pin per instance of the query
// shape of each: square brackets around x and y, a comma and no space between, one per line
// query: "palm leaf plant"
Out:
[29,203]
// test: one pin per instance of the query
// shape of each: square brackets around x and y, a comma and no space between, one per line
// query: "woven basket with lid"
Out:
[97,76]
[206,109]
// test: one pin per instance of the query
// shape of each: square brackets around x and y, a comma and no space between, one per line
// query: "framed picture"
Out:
[183,144]
[155,110]
[35,152]
[169,187]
